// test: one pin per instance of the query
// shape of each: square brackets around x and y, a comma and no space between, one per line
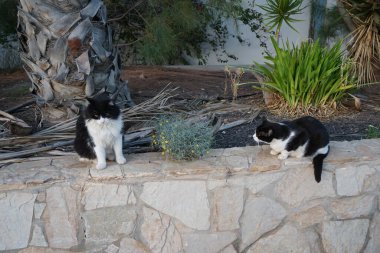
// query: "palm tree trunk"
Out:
[67,51]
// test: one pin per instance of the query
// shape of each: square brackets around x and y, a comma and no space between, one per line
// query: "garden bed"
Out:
[207,85]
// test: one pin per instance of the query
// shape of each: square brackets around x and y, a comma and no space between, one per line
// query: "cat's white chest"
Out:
[105,132]
[279,145]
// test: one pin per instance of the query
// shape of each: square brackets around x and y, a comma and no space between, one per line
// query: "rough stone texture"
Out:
[159,232]
[113,171]
[235,162]
[208,243]
[16,213]
[350,180]
[353,207]
[38,238]
[38,210]
[299,185]
[260,216]
[227,208]
[107,195]
[229,249]
[20,175]
[373,245]
[46,250]
[287,240]
[106,225]
[154,205]
[129,245]
[112,249]
[344,236]
[311,216]
[194,210]
[264,161]
[255,183]
[61,217]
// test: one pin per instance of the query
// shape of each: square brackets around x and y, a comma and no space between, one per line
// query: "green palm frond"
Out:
[280,11]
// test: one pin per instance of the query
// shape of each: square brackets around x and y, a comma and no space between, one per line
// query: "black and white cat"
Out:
[99,131]
[305,136]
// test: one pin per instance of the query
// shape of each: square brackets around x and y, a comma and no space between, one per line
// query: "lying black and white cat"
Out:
[99,131]
[305,136]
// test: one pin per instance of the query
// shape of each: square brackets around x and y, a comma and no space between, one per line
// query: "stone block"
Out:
[159,232]
[264,161]
[373,245]
[106,225]
[260,216]
[299,186]
[208,243]
[129,245]
[311,216]
[227,207]
[286,240]
[16,214]
[193,209]
[38,237]
[344,236]
[61,217]
[355,207]
[350,180]
[106,195]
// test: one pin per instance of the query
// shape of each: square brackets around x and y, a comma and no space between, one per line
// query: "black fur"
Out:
[305,129]
[318,164]
[99,106]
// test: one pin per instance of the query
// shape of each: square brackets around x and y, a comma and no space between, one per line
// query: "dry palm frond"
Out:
[63,133]
[364,50]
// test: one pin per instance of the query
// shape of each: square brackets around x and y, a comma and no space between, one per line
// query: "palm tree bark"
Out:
[67,51]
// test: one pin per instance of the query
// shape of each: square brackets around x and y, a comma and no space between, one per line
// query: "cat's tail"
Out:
[318,163]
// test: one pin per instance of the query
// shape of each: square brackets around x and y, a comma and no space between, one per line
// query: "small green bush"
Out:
[373,132]
[308,75]
[181,140]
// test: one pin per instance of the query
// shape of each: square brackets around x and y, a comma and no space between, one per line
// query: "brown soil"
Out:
[206,85]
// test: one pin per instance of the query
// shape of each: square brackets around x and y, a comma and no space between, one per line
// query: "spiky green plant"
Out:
[307,75]
[280,11]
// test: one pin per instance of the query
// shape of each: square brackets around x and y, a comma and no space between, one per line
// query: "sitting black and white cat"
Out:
[99,131]
[305,136]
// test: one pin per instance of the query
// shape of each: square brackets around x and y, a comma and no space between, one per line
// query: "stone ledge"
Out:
[219,163]
[211,205]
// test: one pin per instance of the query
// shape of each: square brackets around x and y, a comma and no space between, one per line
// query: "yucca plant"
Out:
[364,45]
[280,11]
[307,75]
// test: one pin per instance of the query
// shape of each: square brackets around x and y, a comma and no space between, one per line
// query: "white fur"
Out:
[322,151]
[279,145]
[278,148]
[107,136]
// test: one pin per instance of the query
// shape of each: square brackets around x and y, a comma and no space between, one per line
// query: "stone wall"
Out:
[234,200]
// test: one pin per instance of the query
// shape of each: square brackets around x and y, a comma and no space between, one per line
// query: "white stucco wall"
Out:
[247,54]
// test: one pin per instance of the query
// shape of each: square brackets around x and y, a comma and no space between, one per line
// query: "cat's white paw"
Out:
[101,166]
[272,152]
[282,156]
[121,160]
